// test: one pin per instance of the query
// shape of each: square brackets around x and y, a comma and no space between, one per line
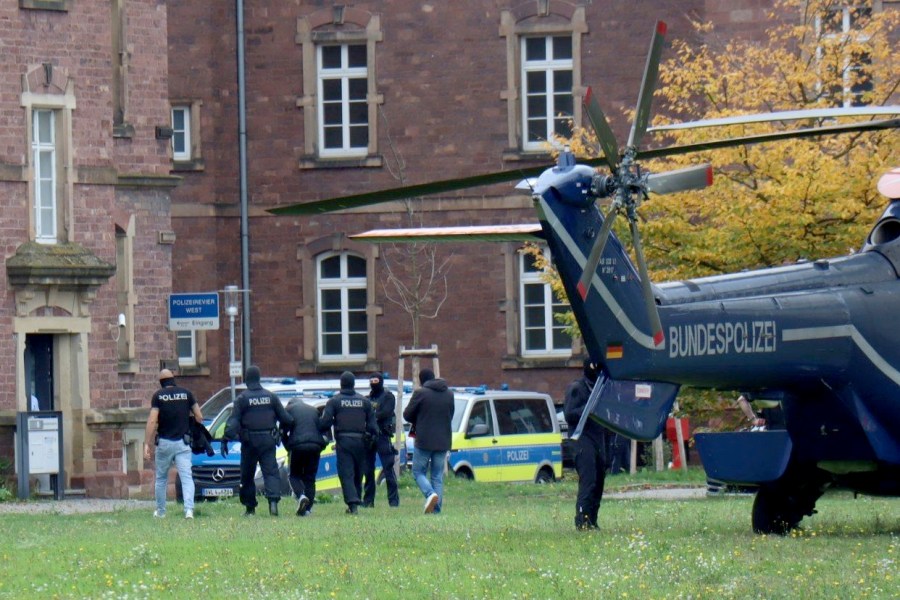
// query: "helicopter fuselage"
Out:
[818,336]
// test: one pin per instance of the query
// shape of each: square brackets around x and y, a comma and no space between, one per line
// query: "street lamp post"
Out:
[232,298]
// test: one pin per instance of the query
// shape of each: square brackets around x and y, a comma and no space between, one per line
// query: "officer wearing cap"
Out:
[590,449]
[255,421]
[167,427]
[383,403]
[353,420]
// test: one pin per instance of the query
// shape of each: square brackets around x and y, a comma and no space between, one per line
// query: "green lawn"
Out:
[492,541]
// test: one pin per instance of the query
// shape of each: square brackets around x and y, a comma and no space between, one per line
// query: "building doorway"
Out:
[39,371]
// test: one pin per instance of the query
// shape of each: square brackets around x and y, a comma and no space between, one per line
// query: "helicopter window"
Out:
[541,332]
[343,326]
[547,79]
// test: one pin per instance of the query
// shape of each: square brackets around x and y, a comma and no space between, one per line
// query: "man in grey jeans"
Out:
[168,424]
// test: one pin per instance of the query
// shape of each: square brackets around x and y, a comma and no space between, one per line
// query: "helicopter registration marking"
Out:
[740,337]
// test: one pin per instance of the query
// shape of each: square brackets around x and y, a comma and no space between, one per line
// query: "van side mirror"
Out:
[477,430]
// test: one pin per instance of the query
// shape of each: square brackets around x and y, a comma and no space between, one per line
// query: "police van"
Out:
[216,477]
[500,435]
[220,477]
[289,387]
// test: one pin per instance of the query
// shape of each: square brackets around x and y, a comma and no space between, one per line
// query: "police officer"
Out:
[590,449]
[255,419]
[354,420]
[383,403]
[168,425]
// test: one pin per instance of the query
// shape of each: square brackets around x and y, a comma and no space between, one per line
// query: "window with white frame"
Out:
[181,133]
[547,80]
[846,67]
[342,97]
[541,333]
[43,149]
[341,310]
[186,348]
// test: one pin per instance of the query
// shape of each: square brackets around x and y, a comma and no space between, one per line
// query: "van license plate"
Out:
[218,492]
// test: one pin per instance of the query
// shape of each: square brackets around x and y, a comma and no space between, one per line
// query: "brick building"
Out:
[105,215]
[85,185]
[346,99]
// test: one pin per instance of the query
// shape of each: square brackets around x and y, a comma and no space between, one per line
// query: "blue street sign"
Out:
[193,311]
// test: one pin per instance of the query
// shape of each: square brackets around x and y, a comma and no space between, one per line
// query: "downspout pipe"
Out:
[242,158]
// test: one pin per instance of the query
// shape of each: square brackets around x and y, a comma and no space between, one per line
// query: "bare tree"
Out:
[416,273]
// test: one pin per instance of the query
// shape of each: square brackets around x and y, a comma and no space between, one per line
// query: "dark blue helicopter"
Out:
[817,337]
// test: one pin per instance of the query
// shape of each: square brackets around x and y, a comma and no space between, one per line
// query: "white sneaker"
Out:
[188,514]
[159,515]
[302,505]
[430,502]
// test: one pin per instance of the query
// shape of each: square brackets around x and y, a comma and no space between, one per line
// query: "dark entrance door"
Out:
[39,369]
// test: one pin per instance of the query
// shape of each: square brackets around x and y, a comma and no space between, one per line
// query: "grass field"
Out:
[492,541]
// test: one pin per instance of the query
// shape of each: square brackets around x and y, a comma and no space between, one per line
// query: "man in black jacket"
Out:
[590,449]
[383,403]
[305,443]
[255,420]
[430,411]
[353,420]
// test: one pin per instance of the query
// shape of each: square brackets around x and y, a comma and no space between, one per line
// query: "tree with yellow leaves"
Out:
[777,202]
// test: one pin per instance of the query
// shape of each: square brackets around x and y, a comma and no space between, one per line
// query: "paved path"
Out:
[665,493]
[71,506]
[75,506]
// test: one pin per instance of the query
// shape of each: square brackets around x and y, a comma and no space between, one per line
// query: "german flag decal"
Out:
[613,351]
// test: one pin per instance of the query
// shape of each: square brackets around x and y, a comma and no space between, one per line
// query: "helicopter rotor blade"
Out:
[584,284]
[604,132]
[648,85]
[690,178]
[447,185]
[774,136]
[646,288]
[410,191]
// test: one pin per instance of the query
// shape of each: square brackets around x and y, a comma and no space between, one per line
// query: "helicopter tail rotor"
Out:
[628,185]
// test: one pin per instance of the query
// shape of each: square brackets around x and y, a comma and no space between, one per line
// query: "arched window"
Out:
[341,307]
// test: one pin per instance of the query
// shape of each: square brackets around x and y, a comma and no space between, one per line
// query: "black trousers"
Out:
[590,462]
[304,466]
[385,451]
[351,461]
[259,448]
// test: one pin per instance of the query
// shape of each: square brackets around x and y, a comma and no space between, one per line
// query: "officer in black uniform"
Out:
[255,421]
[383,403]
[590,449]
[354,423]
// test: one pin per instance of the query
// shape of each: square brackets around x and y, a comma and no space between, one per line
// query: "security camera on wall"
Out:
[121,319]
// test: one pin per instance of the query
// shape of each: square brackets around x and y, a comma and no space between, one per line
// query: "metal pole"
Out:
[242,156]
[231,352]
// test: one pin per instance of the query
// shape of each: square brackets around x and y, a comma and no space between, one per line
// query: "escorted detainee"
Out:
[255,421]
[430,412]
[169,424]
[383,403]
[590,449]
[354,425]
[305,442]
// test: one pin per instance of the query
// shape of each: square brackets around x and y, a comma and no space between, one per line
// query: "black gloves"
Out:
[224,449]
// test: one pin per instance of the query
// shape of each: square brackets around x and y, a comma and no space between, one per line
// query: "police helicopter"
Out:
[819,337]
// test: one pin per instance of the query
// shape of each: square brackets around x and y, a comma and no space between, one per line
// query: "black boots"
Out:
[250,511]
[273,508]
